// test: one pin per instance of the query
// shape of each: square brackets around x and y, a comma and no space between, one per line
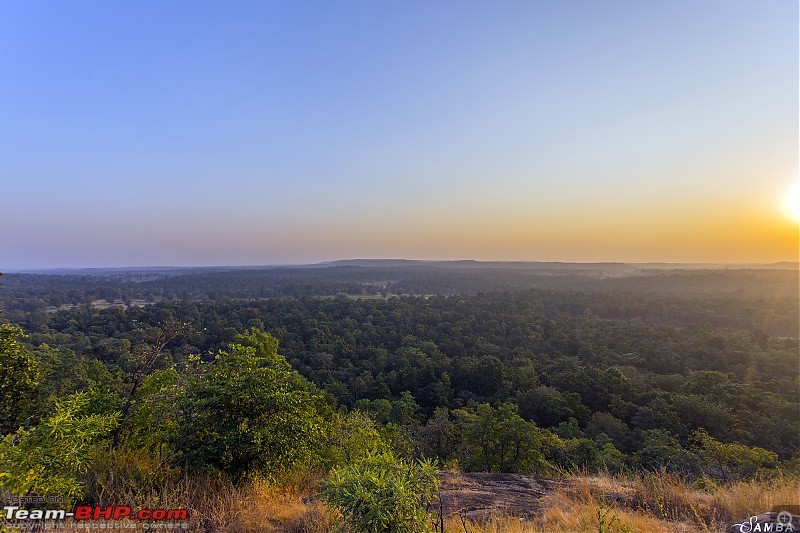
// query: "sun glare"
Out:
[791,201]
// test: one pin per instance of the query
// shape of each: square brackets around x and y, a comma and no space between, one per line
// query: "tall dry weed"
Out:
[213,501]
[743,499]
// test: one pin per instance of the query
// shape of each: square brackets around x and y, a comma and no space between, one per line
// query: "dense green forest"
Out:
[730,299]
[640,372]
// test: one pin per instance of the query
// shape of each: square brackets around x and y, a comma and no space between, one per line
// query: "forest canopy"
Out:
[620,375]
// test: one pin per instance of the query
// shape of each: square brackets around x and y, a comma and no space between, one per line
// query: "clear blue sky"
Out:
[210,133]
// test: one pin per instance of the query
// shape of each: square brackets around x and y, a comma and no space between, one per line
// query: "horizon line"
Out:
[334,262]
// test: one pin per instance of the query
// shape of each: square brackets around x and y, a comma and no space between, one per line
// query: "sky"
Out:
[266,132]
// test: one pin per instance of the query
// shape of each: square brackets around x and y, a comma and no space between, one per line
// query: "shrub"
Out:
[250,413]
[383,494]
[46,459]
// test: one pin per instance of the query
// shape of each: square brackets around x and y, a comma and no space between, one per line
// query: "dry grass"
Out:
[214,502]
[748,498]
[654,503]
[288,506]
[495,524]
[583,505]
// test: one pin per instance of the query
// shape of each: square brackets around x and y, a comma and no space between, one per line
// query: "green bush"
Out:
[46,459]
[354,437]
[250,412]
[383,494]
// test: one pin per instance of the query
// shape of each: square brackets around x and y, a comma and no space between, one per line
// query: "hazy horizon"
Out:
[783,265]
[202,134]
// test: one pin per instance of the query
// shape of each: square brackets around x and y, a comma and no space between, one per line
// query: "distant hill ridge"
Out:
[607,266]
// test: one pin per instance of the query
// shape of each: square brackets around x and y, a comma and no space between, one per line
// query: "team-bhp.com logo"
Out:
[18,518]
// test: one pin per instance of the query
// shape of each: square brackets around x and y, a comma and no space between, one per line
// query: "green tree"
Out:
[405,411]
[47,459]
[383,494]
[659,449]
[613,427]
[438,438]
[730,461]
[19,379]
[250,412]
[544,405]
[354,437]
[379,410]
[141,361]
[502,441]
[152,418]
[610,458]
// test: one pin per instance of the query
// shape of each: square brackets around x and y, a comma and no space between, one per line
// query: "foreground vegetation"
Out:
[653,425]
[647,503]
